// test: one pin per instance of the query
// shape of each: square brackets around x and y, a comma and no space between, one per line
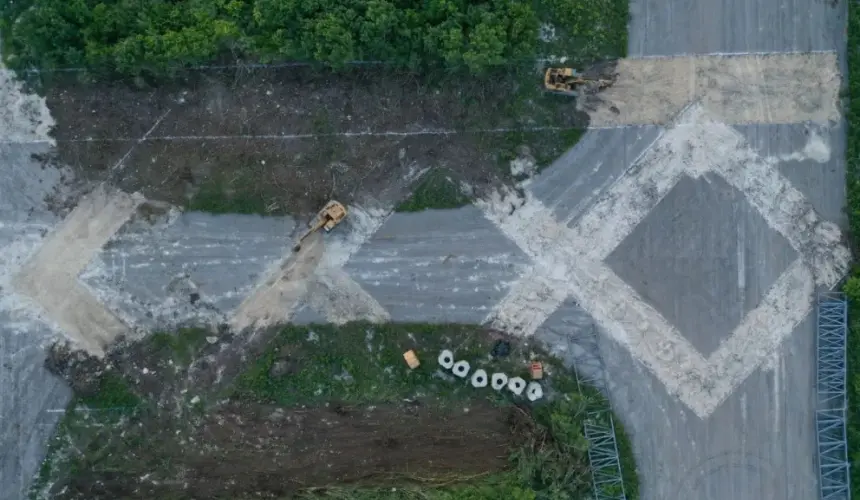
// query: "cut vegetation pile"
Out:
[324,412]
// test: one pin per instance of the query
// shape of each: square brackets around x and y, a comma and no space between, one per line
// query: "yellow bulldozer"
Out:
[331,214]
[568,81]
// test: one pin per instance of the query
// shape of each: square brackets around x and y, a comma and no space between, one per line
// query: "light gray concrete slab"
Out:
[571,335]
[673,27]
[704,258]
[28,390]
[150,274]
[822,183]
[576,179]
[758,445]
[24,182]
[437,266]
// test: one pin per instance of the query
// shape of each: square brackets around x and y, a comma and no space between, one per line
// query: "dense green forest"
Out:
[132,37]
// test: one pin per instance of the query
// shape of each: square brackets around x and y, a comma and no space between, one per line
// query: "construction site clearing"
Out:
[318,409]
[181,391]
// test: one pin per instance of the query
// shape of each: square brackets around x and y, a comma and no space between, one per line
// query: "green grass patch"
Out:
[180,346]
[356,364]
[90,421]
[544,146]
[113,392]
[242,195]
[629,471]
[435,190]
[363,364]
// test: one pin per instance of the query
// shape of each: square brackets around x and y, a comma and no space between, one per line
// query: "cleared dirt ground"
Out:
[290,138]
[231,446]
[266,452]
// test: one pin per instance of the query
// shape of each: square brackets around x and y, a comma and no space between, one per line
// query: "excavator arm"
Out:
[322,221]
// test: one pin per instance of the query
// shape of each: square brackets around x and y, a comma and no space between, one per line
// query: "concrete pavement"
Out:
[666,266]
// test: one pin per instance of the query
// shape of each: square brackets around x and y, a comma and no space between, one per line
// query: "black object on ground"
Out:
[501,349]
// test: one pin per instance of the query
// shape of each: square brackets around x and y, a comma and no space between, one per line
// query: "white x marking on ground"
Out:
[315,275]
[569,262]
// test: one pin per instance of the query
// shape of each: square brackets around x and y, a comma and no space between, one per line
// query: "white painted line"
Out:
[629,200]
[50,276]
[288,137]
[382,133]
[632,322]
[734,54]
[788,302]
[784,207]
[139,141]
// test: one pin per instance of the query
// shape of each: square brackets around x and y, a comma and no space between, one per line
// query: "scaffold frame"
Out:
[830,423]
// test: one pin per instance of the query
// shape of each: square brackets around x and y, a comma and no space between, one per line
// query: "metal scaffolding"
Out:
[599,428]
[833,466]
[603,456]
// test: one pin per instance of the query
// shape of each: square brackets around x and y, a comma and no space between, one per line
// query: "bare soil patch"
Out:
[773,88]
[243,451]
[148,438]
[342,444]
[274,137]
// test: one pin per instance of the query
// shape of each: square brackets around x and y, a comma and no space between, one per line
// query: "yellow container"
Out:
[411,359]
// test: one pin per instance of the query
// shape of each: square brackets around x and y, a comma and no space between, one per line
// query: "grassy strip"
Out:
[356,364]
[89,418]
[94,419]
[852,287]
[363,364]
[544,146]
[436,190]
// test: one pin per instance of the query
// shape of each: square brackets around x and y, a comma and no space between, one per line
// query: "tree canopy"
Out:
[133,37]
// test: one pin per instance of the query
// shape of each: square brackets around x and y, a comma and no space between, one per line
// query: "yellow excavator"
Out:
[567,81]
[331,214]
